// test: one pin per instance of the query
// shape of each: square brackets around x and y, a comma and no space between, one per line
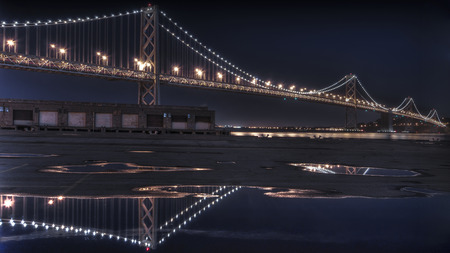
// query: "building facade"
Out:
[78,116]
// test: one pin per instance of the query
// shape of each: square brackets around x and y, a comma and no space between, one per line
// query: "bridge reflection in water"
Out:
[141,221]
[253,220]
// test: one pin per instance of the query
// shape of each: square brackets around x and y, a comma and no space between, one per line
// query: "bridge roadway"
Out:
[50,65]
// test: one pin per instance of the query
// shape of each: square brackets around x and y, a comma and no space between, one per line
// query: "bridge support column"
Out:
[350,111]
[386,121]
[148,93]
[149,55]
[147,221]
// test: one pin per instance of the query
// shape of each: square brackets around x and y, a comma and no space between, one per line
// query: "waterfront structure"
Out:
[104,117]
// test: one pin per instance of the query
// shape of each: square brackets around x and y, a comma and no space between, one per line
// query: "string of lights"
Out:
[364,89]
[71,229]
[398,107]
[207,48]
[62,21]
[186,210]
[193,216]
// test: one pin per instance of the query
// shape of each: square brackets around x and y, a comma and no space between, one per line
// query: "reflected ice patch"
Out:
[181,191]
[353,170]
[142,151]
[115,168]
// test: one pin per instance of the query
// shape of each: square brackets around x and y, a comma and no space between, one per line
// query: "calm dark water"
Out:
[346,135]
[227,219]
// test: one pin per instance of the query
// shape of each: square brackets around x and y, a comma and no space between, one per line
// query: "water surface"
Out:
[231,219]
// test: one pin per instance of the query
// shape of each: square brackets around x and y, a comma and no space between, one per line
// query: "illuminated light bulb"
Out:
[10,43]
[50,202]
[62,50]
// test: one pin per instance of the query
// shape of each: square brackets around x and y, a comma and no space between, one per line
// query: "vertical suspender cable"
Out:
[134,37]
[113,42]
[128,42]
[37,41]
[4,39]
[15,39]
[106,37]
[84,43]
[27,40]
[91,47]
[121,42]
[65,42]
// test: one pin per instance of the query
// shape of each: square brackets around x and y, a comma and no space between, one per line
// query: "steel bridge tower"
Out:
[350,94]
[148,92]
[147,221]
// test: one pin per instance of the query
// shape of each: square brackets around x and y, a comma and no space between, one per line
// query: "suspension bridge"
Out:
[149,47]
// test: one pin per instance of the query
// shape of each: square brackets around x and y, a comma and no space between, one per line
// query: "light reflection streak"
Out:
[115,168]
[353,170]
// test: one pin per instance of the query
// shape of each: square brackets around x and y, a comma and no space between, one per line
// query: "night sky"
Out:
[396,48]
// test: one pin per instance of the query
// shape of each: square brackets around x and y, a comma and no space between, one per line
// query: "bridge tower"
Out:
[147,221]
[350,94]
[386,121]
[408,120]
[148,92]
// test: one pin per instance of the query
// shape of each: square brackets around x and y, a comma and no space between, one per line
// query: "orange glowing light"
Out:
[8,203]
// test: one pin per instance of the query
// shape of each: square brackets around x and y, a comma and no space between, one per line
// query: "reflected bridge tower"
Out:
[147,219]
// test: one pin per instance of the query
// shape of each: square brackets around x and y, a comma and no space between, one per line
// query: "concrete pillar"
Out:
[386,121]
[190,121]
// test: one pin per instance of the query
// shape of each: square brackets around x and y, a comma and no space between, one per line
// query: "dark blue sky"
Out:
[397,49]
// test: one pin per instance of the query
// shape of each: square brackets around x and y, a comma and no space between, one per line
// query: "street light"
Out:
[175,70]
[199,72]
[99,55]
[220,76]
[52,46]
[8,202]
[10,43]
[62,51]
[105,59]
